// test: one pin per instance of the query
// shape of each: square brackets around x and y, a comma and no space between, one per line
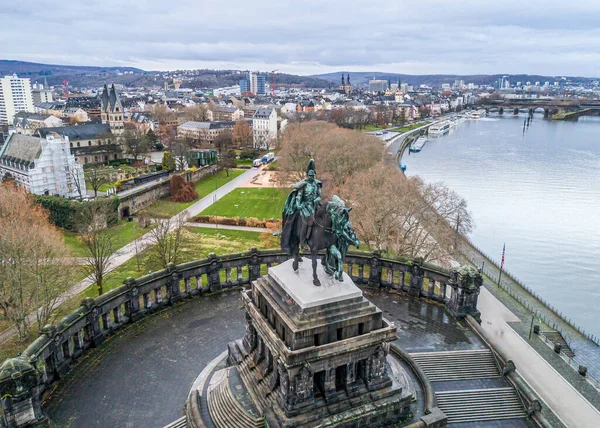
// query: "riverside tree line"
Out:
[399,216]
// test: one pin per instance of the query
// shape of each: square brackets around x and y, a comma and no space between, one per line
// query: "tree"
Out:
[242,133]
[135,143]
[151,138]
[181,190]
[77,181]
[167,239]
[197,113]
[180,150]
[96,179]
[168,162]
[223,141]
[99,241]
[34,266]
[227,162]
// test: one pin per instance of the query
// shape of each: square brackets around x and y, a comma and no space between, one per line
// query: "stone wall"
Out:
[146,196]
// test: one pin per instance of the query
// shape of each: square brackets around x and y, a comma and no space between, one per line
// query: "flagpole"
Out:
[501,264]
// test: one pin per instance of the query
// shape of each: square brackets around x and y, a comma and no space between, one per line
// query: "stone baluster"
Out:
[147,301]
[173,286]
[375,270]
[239,275]
[228,275]
[443,286]
[132,306]
[106,321]
[187,285]
[350,266]
[117,315]
[159,295]
[416,279]
[199,283]
[390,277]
[94,331]
[214,277]
[254,264]
[431,288]
[360,272]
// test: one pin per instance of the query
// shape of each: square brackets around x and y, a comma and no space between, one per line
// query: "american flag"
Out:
[503,250]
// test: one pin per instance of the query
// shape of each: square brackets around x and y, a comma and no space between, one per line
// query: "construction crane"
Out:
[273,82]
[66,86]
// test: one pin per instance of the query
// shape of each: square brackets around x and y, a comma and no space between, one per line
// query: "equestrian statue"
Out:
[307,221]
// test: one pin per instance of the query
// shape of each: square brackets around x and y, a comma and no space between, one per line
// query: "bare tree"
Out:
[242,133]
[198,113]
[135,142]
[180,149]
[168,238]
[96,179]
[78,182]
[34,265]
[100,241]
[223,141]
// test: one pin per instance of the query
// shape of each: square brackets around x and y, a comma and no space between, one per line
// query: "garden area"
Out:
[165,208]
[260,203]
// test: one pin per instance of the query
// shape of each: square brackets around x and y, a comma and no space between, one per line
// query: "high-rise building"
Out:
[260,85]
[15,96]
[253,83]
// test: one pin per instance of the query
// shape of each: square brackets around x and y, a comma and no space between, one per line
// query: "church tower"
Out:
[346,86]
[111,109]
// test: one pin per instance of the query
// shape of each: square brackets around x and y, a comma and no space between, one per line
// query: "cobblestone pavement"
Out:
[141,376]
[423,326]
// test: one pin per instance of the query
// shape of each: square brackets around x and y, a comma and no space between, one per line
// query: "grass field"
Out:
[372,127]
[102,189]
[261,203]
[407,128]
[198,243]
[126,232]
[166,208]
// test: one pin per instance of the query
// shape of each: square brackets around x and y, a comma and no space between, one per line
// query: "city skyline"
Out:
[468,38]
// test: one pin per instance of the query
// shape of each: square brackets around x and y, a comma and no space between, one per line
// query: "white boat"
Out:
[478,114]
[440,128]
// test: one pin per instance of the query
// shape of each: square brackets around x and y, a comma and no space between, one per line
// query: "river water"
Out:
[536,190]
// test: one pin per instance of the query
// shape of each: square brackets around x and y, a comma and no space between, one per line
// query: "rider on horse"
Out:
[301,204]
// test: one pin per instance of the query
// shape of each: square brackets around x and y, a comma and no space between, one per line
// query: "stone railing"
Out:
[58,345]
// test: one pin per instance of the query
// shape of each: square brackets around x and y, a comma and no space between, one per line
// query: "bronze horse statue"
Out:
[330,231]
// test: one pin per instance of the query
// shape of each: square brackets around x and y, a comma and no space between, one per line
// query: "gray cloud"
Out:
[435,36]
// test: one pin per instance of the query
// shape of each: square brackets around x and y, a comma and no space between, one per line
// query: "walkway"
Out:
[227,226]
[558,394]
[129,250]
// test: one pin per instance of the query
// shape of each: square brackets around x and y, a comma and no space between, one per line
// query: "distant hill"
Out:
[362,78]
[89,76]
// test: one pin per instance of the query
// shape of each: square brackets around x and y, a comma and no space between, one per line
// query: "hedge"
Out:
[64,212]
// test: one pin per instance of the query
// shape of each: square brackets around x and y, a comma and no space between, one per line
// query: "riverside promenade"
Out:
[509,313]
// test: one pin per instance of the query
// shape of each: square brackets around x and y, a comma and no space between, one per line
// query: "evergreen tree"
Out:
[168,162]
[151,138]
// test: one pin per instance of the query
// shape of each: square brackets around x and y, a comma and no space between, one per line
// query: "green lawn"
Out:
[126,232]
[165,208]
[244,162]
[372,127]
[199,243]
[407,128]
[261,203]
[102,189]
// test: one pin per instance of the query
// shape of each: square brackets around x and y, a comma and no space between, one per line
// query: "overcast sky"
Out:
[547,37]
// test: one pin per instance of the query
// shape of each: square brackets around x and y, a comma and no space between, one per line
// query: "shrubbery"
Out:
[181,190]
[272,224]
[64,213]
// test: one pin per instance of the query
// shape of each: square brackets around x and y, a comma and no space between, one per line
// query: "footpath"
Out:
[128,251]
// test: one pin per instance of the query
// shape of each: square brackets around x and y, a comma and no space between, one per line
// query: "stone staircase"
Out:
[457,365]
[225,410]
[479,405]
[557,338]
[247,368]
[179,423]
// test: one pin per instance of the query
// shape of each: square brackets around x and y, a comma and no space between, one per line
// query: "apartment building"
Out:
[15,96]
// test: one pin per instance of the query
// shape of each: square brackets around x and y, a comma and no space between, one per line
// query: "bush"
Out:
[64,212]
[181,190]
[249,154]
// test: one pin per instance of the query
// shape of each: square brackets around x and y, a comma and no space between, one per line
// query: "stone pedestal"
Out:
[312,354]
[19,386]
[466,282]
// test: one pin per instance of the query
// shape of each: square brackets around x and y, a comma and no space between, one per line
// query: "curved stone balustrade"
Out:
[60,344]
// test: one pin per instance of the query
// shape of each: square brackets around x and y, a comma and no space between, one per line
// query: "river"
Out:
[536,190]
